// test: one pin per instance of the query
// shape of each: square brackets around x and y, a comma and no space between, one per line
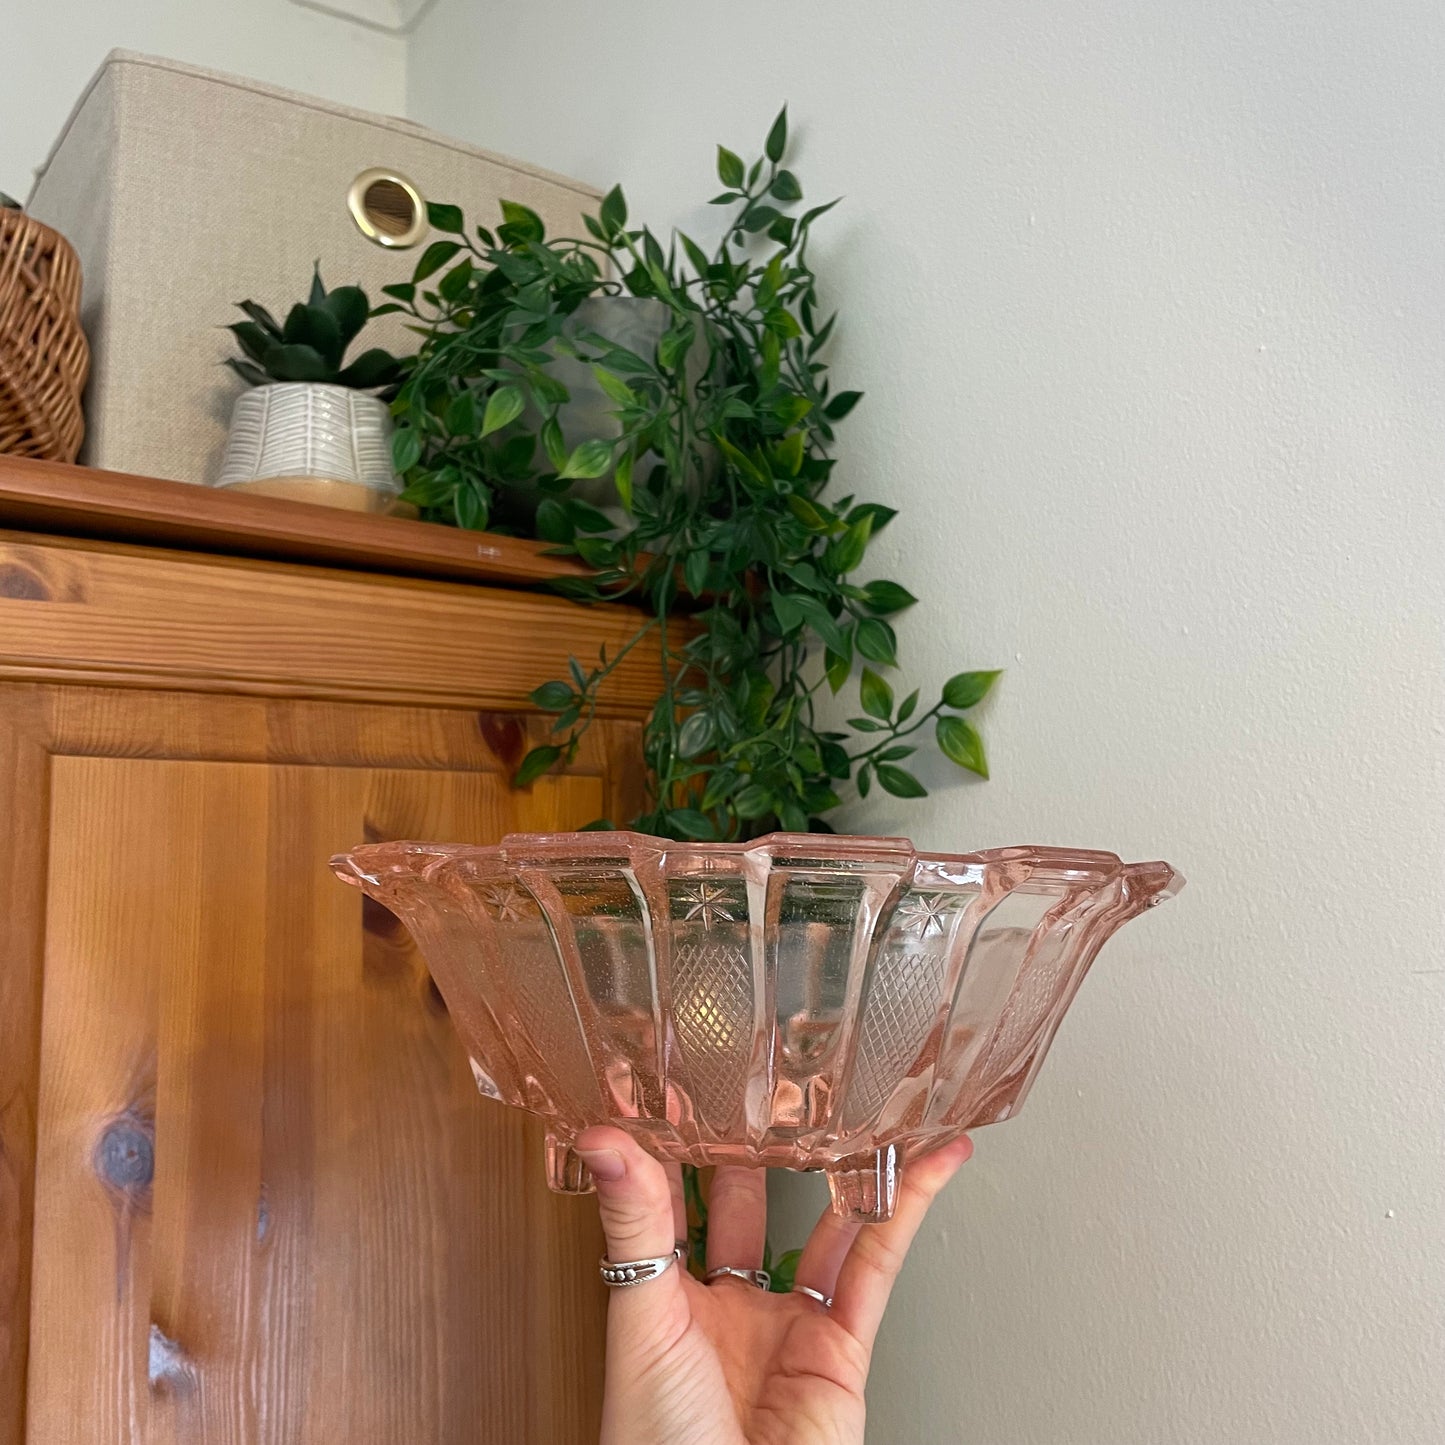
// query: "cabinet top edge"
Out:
[59,498]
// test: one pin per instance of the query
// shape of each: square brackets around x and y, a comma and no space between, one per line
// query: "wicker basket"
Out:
[44,358]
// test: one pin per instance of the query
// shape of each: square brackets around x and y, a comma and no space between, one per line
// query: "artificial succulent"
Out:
[311,345]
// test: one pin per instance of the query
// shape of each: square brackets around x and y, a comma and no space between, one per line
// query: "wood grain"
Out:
[114,910]
[339,1241]
[147,618]
[83,501]
[23,770]
[247,1191]
[123,722]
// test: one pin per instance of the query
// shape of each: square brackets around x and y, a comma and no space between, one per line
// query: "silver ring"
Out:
[826,1300]
[759,1277]
[627,1272]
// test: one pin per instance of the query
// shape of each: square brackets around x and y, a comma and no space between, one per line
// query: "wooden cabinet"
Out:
[247,1190]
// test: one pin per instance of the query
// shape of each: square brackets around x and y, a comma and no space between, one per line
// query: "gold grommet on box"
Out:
[387,208]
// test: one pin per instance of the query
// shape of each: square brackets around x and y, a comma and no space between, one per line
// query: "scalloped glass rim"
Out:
[808,1001]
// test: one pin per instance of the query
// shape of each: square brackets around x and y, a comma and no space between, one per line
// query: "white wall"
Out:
[49,49]
[1148,301]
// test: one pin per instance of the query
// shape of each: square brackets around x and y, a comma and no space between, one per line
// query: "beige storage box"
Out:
[185,191]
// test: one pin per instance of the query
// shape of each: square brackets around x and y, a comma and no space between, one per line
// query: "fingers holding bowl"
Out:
[679,1205]
[737,1219]
[823,1255]
[635,1201]
[875,1256]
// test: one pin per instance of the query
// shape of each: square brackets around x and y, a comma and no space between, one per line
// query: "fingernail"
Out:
[605,1164]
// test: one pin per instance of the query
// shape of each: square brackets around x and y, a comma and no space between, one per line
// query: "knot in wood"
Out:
[169,1370]
[22,584]
[126,1156]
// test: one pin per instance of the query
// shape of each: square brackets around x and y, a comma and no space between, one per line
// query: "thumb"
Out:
[633,1194]
[635,1202]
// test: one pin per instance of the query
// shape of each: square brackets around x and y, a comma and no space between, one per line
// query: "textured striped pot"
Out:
[304,437]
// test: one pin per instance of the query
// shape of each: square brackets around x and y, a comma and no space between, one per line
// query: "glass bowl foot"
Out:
[864,1187]
[566,1173]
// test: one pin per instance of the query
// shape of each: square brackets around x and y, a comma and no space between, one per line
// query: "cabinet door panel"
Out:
[269,1205]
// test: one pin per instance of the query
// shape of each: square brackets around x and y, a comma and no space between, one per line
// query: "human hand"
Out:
[727,1363]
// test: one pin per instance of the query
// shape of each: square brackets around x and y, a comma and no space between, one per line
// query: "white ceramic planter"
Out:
[313,442]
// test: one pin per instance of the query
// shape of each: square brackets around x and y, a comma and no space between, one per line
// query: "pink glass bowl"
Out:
[803,1000]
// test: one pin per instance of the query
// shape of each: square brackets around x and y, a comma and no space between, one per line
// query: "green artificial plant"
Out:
[311,344]
[720,461]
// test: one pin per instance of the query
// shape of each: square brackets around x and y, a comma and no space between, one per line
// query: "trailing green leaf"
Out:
[875,695]
[405,449]
[443,217]
[899,782]
[968,688]
[887,597]
[958,739]
[590,459]
[553,696]
[613,212]
[876,641]
[504,406]
[777,141]
[729,167]
[535,764]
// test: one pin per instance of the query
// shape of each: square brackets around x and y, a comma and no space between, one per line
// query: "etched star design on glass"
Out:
[506,904]
[923,913]
[706,904]
[848,1004]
